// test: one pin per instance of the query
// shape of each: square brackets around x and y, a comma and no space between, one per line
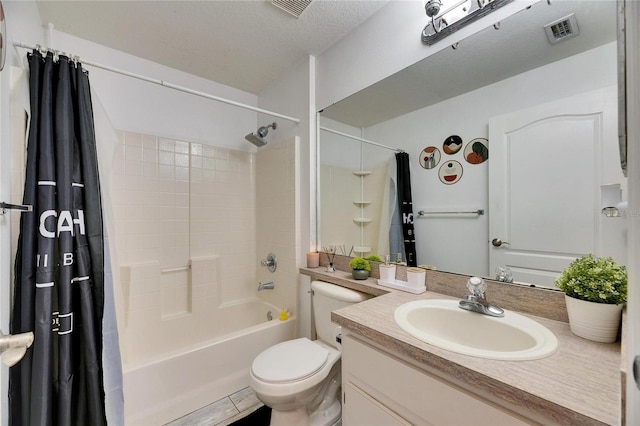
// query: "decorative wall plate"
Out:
[452,144]
[430,157]
[477,151]
[450,172]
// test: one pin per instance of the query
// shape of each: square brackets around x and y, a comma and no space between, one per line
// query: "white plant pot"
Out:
[594,321]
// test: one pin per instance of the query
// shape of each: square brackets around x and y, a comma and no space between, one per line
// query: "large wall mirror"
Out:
[512,135]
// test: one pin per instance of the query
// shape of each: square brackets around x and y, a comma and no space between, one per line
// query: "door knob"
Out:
[497,242]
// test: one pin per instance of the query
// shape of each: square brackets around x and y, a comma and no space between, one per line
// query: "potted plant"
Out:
[360,268]
[595,291]
[374,258]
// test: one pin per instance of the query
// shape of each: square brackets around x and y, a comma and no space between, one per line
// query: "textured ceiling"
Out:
[245,44]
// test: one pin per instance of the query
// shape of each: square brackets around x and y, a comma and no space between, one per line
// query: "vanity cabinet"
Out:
[379,388]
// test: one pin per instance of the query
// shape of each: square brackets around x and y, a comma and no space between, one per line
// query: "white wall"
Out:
[139,106]
[144,107]
[294,95]
[277,221]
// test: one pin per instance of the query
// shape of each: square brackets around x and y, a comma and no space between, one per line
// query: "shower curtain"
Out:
[405,205]
[59,287]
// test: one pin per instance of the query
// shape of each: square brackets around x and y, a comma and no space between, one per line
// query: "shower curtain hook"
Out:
[43,50]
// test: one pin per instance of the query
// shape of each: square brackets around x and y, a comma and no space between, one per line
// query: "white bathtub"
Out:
[179,383]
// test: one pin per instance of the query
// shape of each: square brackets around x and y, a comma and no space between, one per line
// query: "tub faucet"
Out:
[266,286]
[477,301]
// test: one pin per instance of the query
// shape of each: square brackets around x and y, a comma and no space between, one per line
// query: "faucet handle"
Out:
[476,286]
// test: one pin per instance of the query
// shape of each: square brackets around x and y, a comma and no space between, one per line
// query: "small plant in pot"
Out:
[595,292]
[360,268]
[374,258]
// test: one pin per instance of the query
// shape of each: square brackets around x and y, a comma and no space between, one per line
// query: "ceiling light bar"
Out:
[448,16]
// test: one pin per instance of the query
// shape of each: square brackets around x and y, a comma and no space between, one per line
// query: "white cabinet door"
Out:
[547,165]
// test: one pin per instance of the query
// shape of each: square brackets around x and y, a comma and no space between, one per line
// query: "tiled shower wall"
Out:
[185,220]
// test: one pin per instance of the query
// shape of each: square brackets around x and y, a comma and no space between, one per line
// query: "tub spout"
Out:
[266,286]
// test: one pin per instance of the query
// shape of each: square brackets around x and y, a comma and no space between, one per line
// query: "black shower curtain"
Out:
[59,275]
[405,205]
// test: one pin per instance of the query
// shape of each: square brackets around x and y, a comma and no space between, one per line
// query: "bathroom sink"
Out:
[440,322]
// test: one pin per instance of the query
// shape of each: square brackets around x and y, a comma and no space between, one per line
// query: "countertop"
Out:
[579,384]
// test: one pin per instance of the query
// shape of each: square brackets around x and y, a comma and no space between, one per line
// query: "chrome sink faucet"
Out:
[476,301]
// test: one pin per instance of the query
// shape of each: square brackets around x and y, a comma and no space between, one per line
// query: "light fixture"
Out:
[448,16]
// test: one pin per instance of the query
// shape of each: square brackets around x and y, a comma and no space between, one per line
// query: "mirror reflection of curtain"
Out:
[60,266]
[405,206]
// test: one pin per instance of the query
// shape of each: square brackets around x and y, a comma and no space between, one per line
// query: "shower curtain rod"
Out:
[163,83]
[346,135]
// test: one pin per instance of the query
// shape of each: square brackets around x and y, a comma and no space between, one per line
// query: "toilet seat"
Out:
[290,361]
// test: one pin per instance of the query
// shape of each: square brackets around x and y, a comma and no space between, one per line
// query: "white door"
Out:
[547,165]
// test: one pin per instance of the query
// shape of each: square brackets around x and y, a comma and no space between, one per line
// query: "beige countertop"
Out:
[579,384]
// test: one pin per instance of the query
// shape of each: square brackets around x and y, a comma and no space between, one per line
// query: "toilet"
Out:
[300,378]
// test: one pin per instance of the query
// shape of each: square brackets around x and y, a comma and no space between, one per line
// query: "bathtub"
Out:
[171,386]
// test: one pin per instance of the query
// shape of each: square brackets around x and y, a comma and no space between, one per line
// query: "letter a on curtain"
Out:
[59,270]
[405,204]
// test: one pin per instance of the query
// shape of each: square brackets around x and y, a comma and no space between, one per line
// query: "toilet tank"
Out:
[329,297]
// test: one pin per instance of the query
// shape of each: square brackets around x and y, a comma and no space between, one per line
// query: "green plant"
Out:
[599,280]
[360,263]
[374,257]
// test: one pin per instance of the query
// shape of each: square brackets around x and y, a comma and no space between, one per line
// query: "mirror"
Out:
[440,108]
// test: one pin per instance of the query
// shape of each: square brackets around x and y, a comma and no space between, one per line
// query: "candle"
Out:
[313,259]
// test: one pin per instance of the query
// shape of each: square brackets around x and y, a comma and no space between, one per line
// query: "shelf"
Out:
[362,173]
[362,202]
[361,220]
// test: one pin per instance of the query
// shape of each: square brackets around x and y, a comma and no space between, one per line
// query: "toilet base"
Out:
[292,417]
[331,416]
[300,417]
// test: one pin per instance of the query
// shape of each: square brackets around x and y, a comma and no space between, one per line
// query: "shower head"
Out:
[257,137]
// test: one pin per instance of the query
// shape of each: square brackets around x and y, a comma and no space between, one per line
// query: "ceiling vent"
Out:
[293,7]
[562,29]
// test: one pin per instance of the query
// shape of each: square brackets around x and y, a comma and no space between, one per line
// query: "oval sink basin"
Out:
[442,323]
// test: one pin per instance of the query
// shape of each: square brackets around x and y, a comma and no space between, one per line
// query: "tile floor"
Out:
[222,412]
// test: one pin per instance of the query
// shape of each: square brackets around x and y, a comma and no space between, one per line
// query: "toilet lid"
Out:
[289,361]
